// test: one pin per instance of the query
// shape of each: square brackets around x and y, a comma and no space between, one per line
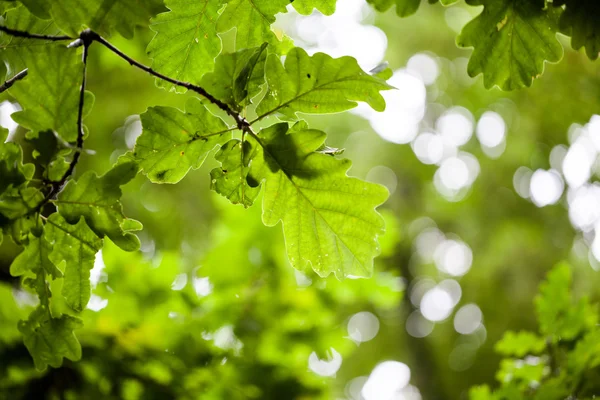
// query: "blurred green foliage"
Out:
[242,324]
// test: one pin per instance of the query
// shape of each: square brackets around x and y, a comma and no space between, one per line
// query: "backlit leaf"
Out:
[511,39]
[237,77]
[75,248]
[329,219]
[49,94]
[230,180]
[306,7]
[252,20]
[97,199]
[35,258]
[318,84]
[50,339]
[186,41]
[172,142]
[103,16]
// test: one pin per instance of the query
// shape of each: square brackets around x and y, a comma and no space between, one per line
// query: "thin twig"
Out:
[27,35]
[9,82]
[239,119]
[56,186]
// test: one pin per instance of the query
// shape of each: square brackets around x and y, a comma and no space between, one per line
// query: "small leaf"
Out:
[252,20]
[105,16]
[237,77]
[97,199]
[172,142]
[75,248]
[511,39]
[520,344]
[16,52]
[35,258]
[558,317]
[18,202]
[49,94]
[186,41]
[230,180]
[318,84]
[306,7]
[580,21]
[404,8]
[50,339]
[329,219]
[12,171]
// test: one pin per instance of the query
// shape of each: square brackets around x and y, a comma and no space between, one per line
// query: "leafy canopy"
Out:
[62,219]
[61,216]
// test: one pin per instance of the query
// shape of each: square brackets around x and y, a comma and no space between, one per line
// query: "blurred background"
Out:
[488,190]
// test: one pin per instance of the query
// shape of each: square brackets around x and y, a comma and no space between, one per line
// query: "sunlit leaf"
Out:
[230,180]
[237,77]
[103,16]
[318,84]
[306,7]
[75,247]
[557,315]
[329,219]
[520,344]
[186,41]
[252,20]
[49,94]
[172,142]
[97,199]
[35,257]
[50,339]
[511,39]
[12,171]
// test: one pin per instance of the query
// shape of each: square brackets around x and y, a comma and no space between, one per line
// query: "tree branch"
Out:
[9,82]
[241,122]
[27,35]
[56,186]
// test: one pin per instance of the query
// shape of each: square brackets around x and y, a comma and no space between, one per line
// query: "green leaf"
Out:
[318,84]
[16,52]
[186,41]
[520,344]
[172,142]
[511,39]
[97,199]
[103,16]
[75,248]
[35,258]
[12,171]
[558,317]
[18,202]
[230,180]
[586,354]
[252,20]
[482,392]
[404,8]
[329,219]
[580,21]
[49,94]
[49,339]
[306,7]
[237,77]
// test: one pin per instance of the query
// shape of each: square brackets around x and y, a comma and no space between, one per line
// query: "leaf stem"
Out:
[9,82]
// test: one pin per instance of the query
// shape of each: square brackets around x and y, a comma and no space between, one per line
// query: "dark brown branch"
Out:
[9,82]
[27,35]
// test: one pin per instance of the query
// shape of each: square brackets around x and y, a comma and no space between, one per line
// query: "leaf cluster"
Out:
[62,219]
[562,359]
